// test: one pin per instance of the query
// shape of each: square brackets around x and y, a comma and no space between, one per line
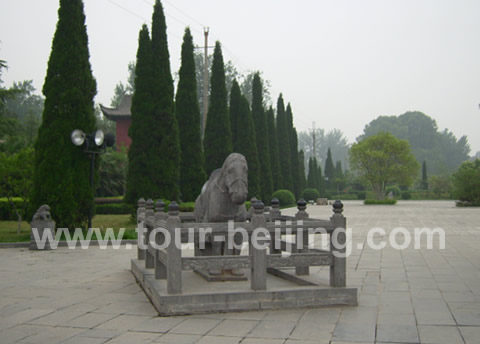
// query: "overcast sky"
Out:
[339,63]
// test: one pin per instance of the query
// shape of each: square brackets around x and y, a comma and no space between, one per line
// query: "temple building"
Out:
[123,118]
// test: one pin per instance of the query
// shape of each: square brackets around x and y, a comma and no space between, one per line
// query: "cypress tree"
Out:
[139,174]
[339,176]
[312,174]
[329,171]
[274,155]
[293,140]
[217,142]
[320,179]
[284,145]
[234,111]
[192,173]
[62,174]
[261,134]
[245,143]
[165,153]
[301,171]
[424,176]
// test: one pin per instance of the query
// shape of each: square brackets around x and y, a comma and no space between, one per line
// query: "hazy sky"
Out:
[339,63]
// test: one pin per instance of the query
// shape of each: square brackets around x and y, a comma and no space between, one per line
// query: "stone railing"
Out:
[168,263]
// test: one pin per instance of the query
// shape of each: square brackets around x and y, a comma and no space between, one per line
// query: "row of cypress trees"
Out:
[332,178]
[254,132]
[166,159]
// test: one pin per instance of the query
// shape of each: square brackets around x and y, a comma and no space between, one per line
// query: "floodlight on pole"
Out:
[93,144]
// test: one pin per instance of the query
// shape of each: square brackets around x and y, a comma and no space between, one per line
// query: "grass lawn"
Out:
[8,229]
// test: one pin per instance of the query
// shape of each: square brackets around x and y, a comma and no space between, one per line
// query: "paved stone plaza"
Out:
[408,296]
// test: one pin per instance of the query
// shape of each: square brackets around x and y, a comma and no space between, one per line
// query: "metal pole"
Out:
[92,171]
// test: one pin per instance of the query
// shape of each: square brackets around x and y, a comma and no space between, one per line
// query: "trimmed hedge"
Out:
[310,194]
[286,198]
[378,202]
[113,209]
[109,200]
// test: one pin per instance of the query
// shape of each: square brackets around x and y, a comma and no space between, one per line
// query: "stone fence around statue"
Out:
[160,258]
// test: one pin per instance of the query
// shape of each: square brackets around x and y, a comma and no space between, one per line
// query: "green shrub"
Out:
[286,198]
[362,195]
[7,212]
[406,195]
[187,206]
[379,202]
[395,190]
[310,194]
[113,209]
[466,183]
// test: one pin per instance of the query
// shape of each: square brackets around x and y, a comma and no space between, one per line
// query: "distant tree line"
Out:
[442,151]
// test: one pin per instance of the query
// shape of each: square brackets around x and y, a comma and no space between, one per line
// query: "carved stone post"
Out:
[44,226]
[301,236]
[259,256]
[149,218]
[275,245]
[338,247]
[141,237]
[160,268]
[174,253]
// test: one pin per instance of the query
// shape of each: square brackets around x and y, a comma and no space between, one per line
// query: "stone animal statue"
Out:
[43,213]
[222,199]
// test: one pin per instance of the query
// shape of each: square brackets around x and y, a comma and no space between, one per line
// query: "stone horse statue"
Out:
[222,199]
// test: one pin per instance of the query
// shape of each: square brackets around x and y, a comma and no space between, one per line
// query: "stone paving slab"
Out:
[414,295]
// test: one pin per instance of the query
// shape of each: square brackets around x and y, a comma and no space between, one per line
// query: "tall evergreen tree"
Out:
[192,173]
[329,171]
[284,145]
[320,179]
[61,173]
[273,146]
[217,142]
[140,174]
[301,171]
[312,174]
[261,134]
[165,153]
[339,176]
[234,111]
[424,176]
[293,140]
[245,143]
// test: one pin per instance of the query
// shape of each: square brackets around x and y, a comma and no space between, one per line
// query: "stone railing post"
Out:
[141,237]
[275,245]
[301,237]
[160,214]
[174,251]
[259,255]
[150,217]
[338,247]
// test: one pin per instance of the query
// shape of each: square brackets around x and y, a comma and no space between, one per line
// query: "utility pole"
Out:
[205,81]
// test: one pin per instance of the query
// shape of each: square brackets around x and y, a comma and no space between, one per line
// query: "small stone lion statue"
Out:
[43,213]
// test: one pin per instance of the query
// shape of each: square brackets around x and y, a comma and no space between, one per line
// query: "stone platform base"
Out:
[200,296]
[226,276]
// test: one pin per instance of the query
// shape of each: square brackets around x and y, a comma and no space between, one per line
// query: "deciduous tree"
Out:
[383,159]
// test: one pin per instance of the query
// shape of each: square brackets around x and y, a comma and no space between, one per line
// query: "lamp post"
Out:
[93,144]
